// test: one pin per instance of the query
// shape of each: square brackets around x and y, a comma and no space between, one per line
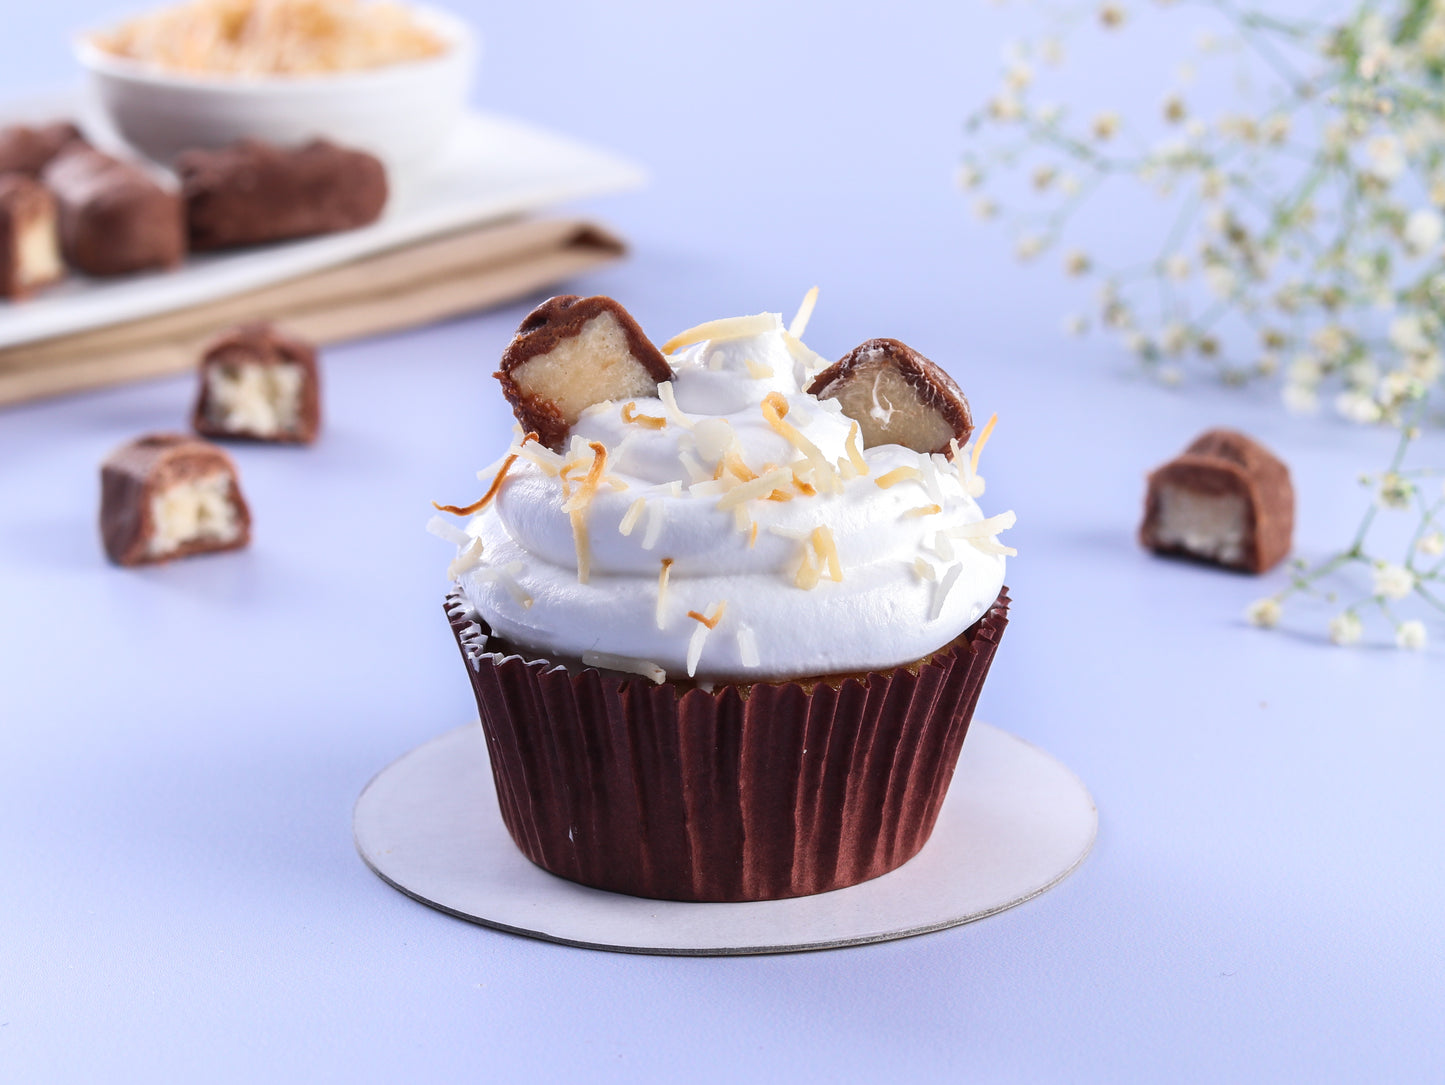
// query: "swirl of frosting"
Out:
[732,530]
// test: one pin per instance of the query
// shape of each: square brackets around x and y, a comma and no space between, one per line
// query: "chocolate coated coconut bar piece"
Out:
[261,384]
[28,150]
[252,192]
[29,246]
[166,496]
[113,217]
[570,353]
[1226,500]
[897,397]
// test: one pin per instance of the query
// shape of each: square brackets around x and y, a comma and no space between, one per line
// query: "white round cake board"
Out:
[1015,823]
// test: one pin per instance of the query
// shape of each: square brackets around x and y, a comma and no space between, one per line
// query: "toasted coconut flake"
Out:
[775,409]
[942,546]
[713,487]
[633,514]
[646,421]
[580,541]
[505,575]
[931,483]
[674,488]
[741,519]
[982,440]
[748,647]
[705,626]
[733,459]
[993,546]
[898,474]
[625,664]
[468,559]
[662,578]
[656,513]
[922,510]
[799,323]
[587,490]
[448,532]
[675,414]
[733,327]
[696,472]
[945,586]
[805,488]
[757,370]
[753,535]
[808,573]
[981,529]
[541,456]
[924,570]
[855,454]
[827,551]
[755,489]
[492,491]
[779,495]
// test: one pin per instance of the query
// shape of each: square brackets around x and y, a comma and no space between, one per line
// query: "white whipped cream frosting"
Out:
[911,579]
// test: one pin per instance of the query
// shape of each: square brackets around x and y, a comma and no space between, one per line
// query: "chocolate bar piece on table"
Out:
[253,192]
[26,149]
[29,246]
[114,217]
[167,495]
[1226,500]
[259,383]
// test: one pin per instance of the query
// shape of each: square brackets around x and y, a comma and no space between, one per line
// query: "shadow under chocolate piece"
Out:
[1226,500]
[26,149]
[166,495]
[897,397]
[29,243]
[252,192]
[259,384]
[113,217]
[570,353]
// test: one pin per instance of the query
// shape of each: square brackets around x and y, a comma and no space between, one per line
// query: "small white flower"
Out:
[1411,635]
[1077,263]
[1105,126]
[1431,545]
[1395,491]
[1357,407]
[1407,334]
[1005,107]
[1044,176]
[1019,76]
[1029,246]
[967,177]
[1048,112]
[1393,581]
[1076,325]
[1112,15]
[1264,612]
[1177,267]
[1346,628]
[1300,399]
[1304,369]
[1387,157]
[1423,230]
[1173,337]
[1221,280]
[985,208]
[1052,51]
[1171,376]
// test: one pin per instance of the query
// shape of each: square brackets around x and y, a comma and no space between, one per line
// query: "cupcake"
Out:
[726,608]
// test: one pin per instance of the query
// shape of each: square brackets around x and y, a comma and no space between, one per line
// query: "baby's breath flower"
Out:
[967,177]
[1357,407]
[1393,581]
[1077,263]
[1264,613]
[1346,628]
[1386,156]
[1005,108]
[1105,126]
[1043,177]
[1076,325]
[1395,491]
[1177,267]
[1431,545]
[985,208]
[1112,15]
[1423,230]
[1300,399]
[1174,110]
[1029,246]
[1411,635]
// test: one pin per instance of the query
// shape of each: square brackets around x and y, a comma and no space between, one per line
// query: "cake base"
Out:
[1015,823]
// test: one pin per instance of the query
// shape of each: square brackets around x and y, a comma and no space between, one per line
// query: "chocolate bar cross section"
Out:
[166,495]
[1226,500]
[29,243]
[259,384]
[113,217]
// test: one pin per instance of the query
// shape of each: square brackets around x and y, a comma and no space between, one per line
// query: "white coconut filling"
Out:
[193,511]
[1210,526]
[248,397]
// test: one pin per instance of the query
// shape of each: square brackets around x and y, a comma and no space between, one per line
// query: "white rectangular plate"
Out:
[494,169]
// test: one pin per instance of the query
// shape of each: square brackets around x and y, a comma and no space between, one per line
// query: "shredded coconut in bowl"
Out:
[273,37]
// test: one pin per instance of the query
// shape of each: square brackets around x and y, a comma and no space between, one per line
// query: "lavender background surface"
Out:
[180,747]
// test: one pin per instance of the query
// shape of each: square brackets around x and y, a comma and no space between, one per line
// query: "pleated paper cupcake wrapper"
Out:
[746,792]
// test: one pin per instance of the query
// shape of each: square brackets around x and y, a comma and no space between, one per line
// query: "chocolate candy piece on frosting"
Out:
[261,384]
[113,217]
[897,397]
[29,247]
[570,353]
[166,495]
[28,150]
[1227,500]
[253,192]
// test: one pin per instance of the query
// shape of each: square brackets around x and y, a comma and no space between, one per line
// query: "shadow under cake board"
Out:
[1015,823]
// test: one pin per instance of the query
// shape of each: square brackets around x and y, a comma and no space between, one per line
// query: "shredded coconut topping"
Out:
[733,327]
[647,421]
[626,665]
[662,579]
[799,323]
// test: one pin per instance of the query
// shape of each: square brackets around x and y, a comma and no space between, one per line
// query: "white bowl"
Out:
[402,113]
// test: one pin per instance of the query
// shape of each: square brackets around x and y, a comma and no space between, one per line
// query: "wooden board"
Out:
[401,288]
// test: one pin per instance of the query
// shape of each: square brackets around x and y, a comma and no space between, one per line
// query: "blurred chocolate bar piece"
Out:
[1227,500]
[166,495]
[570,353]
[253,192]
[897,397]
[29,245]
[260,384]
[28,150]
[113,217]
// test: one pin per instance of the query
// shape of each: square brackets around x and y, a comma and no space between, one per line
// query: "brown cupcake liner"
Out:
[745,792]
